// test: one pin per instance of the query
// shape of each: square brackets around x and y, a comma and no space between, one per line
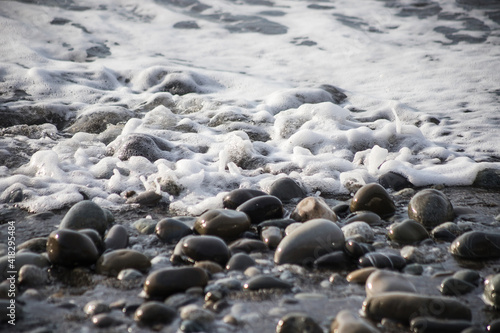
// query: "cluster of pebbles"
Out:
[195,274]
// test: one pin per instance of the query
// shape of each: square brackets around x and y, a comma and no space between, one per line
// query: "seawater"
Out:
[242,93]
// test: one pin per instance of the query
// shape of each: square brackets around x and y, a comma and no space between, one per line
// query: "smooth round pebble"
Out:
[96,307]
[199,248]
[85,214]
[429,325]
[116,238]
[167,281]
[359,230]
[491,290]
[104,320]
[248,245]
[171,230]
[337,261]
[239,196]
[381,281]
[260,282]
[154,313]
[111,263]
[394,181]
[240,262]
[447,232]
[310,241]
[271,236]
[298,323]
[374,198]
[145,226]
[129,274]
[382,260]
[452,286]
[366,216]
[262,208]
[430,207]
[67,247]
[349,322]
[286,189]
[95,237]
[225,223]
[32,275]
[356,249]
[476,245]
[360,276]
[210,266]
[407,232]
[313,208]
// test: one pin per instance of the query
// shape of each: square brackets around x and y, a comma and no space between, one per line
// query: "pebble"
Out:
[310,241]
[22,258]
[37,245]
[32,276]
[240,262]
[260,282]
[374,198]
[451,286]
[104,320]
[298,323]
[145,226]
[139,144]
[95,237]
[447,232]
[476,245]
[402,307]
[111,263]
[313,208]
[271,236]
[148,198]
[95,307]
[430,325]
[262,208]
[356,249]
[394,181]
[248,246]
[407,232]
[337,260]
[237,197]
[282,223]
[430,207]
[116,238]
[359,230]
[383,260]
[471,276]
[199,248]
[85,214]
[360,276]
[196,313]
[129,274]
[225,223]
[381,281]
[349,322]
[67,247]
[210,266]
[491,291]
[292,227]
[171,230]
[154,313]
[365,216]
[167,281]
[286,189]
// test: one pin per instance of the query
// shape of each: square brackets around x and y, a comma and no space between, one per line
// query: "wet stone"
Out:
[37,245]
[104,320]
[359,230]
[66,247]
[279,223]
[298,322]
[374,198]
[248,245]
[148,198]
[145,226]
[260,282]
[85,214]
[154,313]
[382,281]
[237,197]
[349,322]
[429,324]
[471,276]
[430,207]
[452,286]
[224,223]
[167,281]
[491,291]
[402,307]
[22,258]
[337,260]
[199,248]
[129,274]
[356,249]
[95,237]
[32,276]
[271,236]
[394,181]
[407,232]
[476,245]
[111,263]
[383,260]
[310,241]
[116,238]
[209,266]
[95,307]
[171,230]
[447,232]
[240,262]
[139,144]
[488,178]
[365,216]
[286,189]
[262,208]
[312,208]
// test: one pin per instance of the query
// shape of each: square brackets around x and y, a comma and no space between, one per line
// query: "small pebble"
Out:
[298,322]
[313,208]
[430,207]
[374,198]
[154,313]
